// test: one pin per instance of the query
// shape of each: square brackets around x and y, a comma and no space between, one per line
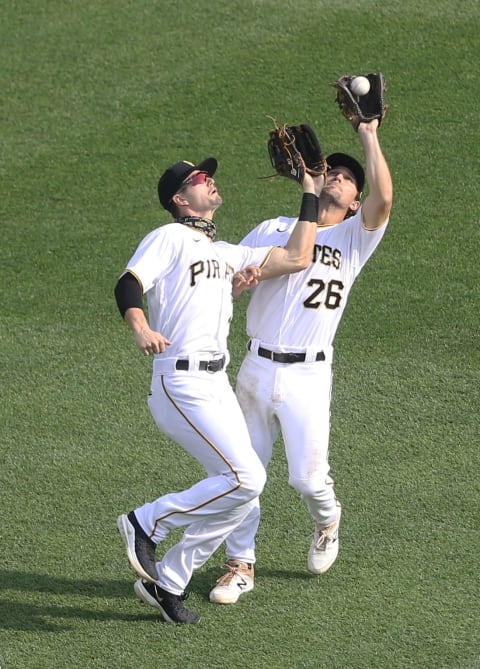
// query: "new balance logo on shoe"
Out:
[238,579]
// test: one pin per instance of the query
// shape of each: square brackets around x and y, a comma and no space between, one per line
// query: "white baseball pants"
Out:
[293,399]
[200,411]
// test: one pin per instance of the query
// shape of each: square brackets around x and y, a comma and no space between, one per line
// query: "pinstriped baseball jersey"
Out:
[298,310]
[188,281]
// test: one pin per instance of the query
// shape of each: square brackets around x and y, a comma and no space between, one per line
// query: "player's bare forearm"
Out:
[378,203]
[297,253]
[147,340]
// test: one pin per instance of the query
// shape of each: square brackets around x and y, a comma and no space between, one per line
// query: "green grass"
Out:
[97,99]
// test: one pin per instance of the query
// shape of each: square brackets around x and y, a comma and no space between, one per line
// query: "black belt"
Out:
[284,357]
[203,365]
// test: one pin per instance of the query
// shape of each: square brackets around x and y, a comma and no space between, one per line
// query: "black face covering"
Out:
[204,224]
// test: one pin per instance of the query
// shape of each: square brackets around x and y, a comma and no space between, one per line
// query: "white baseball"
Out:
[360,86]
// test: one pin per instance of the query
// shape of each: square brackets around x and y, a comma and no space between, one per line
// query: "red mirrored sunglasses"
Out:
[196,180]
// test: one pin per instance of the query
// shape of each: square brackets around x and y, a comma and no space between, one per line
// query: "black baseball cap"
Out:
[172,179]
[344,160]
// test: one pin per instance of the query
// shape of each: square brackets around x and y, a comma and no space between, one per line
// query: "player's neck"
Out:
[331,212]
[327,218]
[205,225]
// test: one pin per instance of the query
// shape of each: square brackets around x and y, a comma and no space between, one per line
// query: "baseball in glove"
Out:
[294,150]
[362,108]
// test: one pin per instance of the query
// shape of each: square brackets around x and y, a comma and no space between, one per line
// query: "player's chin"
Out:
[330,193]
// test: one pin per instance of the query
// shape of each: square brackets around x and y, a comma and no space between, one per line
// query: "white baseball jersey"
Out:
[298,310]
[297,313]
[188,282]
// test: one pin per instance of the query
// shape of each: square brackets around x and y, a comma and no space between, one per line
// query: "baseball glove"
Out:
[294,150]
[362,108]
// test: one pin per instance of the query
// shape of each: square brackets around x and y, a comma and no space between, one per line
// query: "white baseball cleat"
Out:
[238,578]
[324,547]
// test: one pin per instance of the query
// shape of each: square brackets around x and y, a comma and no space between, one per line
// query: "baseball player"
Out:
[284,383]
[188,283]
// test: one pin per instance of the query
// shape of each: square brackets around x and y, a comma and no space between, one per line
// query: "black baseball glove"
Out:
[362,108]
[294,150]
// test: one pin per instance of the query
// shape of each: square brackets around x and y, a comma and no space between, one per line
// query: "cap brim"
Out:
[209,166]
[344,160]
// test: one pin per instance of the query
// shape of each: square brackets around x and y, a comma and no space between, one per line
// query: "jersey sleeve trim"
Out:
[267,257]
[374,229]
[129,271]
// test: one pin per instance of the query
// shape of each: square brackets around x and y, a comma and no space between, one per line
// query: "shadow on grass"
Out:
[19,580]
[50,617]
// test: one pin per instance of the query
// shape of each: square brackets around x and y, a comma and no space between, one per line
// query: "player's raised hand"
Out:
[313,183]
[368,127]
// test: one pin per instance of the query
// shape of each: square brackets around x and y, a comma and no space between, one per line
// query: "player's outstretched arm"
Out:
[297,253]
[378,203]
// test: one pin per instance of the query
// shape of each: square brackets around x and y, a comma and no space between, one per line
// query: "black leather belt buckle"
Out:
[211,366]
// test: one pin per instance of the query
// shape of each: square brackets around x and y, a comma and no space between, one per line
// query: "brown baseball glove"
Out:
[362,108]
[294,150]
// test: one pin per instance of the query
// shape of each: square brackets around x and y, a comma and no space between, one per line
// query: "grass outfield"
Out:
[97,98]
